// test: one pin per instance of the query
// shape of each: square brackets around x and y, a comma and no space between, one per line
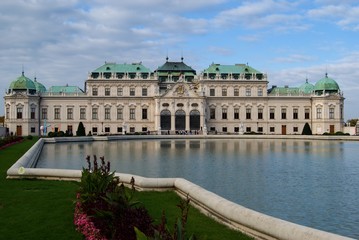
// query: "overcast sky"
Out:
[60,41]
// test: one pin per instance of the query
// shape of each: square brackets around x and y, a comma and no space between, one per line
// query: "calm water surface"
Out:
[313,183]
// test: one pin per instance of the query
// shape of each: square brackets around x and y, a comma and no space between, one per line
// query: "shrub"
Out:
[109,207]
[10,139]
[81,130]
[29,137]
[306,129]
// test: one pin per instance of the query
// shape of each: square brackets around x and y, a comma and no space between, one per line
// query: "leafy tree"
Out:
[352,122]
[81,130]
[306,130]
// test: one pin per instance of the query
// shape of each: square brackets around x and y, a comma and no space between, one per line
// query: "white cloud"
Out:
[294,58]
[344,15]
[260,14]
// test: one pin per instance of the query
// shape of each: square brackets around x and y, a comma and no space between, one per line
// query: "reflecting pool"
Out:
[313,183]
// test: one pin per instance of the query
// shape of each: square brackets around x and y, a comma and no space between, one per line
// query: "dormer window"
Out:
[108,68]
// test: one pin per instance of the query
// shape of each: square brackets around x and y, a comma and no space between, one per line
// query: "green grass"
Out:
[198,224]
[39,209]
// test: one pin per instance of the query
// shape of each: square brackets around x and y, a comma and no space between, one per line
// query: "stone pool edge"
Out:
[258,225]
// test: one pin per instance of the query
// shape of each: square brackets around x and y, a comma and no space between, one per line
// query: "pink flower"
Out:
[85,226]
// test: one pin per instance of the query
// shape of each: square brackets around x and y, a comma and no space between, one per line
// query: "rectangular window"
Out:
[132,129]
[132,113]
[224,129]
[107,91]
[119,129]
[107,129]
[260,113]
[144,92]
[236,113]
[107,113]
[224,92]
[224,113]
[119,91]
[271,113]
[119,113]
[95,113]
[70,113]
[319,113]
[144,129]
[144,113]
[295,129]
[307,113]
[236,129]
[248,91]
[43,113]
[212,129]
[132,91]
[82,113]
[248,129]
[19,113]
[284,113]
[33,112]
[236,92]
[94,91]
[212,92]
[212,113]
[271,129]
[7,113]
[32,130]
[57,113]
[295,113]
[94,130]
[331,113]
[260,92]
[260,129]
[248,113]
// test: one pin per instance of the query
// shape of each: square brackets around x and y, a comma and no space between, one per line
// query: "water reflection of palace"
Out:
[130,98]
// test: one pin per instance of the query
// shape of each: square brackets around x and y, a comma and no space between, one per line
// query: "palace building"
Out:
[174,98]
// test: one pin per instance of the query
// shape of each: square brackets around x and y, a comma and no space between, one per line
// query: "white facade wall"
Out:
[179,96]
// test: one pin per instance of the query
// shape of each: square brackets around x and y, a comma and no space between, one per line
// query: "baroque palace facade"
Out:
[130,98]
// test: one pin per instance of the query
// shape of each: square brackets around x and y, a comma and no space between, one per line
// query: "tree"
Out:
[81,130]
[306,129]
[352,122]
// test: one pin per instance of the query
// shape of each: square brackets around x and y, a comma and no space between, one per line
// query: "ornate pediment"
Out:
[182,89]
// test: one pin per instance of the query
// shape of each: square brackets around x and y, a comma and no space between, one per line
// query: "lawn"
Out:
[39,209]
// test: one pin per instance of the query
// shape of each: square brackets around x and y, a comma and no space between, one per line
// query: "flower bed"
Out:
[8,141]
[105,209]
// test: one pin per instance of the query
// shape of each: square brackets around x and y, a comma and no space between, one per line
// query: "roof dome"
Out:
[39,87]
[326,84]
[22,83]
[306,87]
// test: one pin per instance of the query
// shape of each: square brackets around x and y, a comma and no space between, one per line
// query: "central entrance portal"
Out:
[180,120]
[166,120]
[194,120]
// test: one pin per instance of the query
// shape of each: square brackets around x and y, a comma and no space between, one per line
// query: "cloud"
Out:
[260,14]
[294,58]
[344,15]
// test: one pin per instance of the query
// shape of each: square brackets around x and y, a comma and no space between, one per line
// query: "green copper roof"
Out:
[64,89]
[22,83]
[39,87]
[326,84]
[284,91]
[227,69]
[175,67]
[123,68]
[306,88]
